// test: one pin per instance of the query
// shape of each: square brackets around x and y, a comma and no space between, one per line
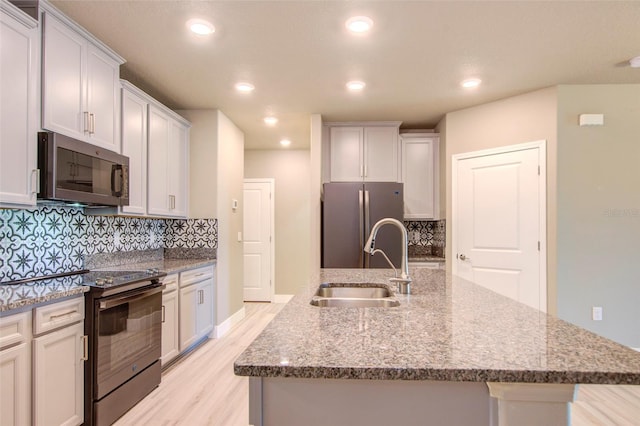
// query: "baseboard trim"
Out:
[226,325]
[282,298]
[636,349]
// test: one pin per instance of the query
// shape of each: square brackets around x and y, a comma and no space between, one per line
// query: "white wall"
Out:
[216,178]
[291,171]
[599,210]
[315,192]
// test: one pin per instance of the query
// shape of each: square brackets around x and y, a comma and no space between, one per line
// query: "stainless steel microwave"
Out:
[74,171]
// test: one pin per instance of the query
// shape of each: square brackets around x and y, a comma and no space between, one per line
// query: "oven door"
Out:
[128,330]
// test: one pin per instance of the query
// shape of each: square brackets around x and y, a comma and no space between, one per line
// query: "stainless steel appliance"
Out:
[78,172]
[123,320]
[349,210]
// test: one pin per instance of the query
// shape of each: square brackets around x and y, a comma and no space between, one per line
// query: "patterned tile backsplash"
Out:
[426,233]
[54,239]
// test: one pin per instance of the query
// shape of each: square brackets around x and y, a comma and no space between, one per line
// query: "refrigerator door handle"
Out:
[362,237]
[367,224]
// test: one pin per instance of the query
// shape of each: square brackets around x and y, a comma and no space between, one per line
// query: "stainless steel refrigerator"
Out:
[349,210]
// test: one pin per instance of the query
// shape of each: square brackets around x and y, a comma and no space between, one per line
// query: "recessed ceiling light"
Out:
[200,26]
[470,83]
[359,24]
[635,62]
[244,87]
[270,120]
[355,86]
[285,142]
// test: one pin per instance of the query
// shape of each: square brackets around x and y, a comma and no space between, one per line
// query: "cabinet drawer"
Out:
[50,317]
[14,329]
[171,283]
[195,275]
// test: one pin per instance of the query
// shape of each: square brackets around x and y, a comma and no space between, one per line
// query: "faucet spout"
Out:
[403,280]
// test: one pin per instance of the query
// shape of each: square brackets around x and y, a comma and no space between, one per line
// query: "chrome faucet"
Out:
[404,281]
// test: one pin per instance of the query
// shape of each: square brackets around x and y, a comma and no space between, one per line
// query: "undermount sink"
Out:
[354,295]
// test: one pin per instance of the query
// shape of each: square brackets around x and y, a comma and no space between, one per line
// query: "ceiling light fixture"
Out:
[635,62]
[356,86]
[359,24]
[245,87]
[471,83]
[271,121]
[285,142]
[200,26]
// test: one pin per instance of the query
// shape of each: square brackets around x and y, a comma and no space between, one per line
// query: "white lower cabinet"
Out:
[42,354]
[196,305]
[15,369]
[170,319]
[58,377]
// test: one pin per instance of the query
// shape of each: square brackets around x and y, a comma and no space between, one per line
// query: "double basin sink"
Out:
[354,295]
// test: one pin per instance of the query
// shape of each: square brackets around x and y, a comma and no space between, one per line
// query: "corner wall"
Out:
[599,210]
[519,119]
[217,173]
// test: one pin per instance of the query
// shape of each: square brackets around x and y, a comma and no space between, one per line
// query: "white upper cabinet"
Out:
[367,152]
[420,175]
[134,146]
[168,173]
[80,82]
[18,106]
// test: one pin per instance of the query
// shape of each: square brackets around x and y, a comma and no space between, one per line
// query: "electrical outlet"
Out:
[596,313]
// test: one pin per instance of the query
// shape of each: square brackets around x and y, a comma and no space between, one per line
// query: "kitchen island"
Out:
[451,353]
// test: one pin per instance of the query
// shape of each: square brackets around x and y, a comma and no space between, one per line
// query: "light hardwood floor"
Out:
[201,390]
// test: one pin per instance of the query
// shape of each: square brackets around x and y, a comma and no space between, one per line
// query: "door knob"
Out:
[463,257]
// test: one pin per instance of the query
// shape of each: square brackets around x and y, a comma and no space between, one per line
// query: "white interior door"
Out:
[258,240]
[499,221]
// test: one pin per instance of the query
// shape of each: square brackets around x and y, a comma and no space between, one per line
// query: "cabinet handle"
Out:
[66,314]
[85,348]
[163,312]
[361,170]
[86,122]
[92,123]
[365,169]
[35,181]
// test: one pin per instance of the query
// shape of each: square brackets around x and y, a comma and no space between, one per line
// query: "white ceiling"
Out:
[299,55]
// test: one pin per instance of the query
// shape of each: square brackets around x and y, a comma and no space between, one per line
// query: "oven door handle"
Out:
[107,304]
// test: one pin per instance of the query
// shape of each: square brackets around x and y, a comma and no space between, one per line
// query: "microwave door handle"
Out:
[108,304]
[114,169]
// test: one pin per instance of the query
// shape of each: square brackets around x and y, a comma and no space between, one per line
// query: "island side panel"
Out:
[318,402]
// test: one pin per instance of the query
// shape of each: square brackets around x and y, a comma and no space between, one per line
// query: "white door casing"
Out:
[258,231]
[499,220]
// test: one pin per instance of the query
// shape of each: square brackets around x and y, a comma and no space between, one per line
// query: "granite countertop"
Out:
[14,297]
[447,329]
[426,258]
[166,265]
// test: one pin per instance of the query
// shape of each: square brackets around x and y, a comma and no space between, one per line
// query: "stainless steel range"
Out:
[123,319]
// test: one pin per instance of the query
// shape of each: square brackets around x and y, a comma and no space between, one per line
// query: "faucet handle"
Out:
[404,284]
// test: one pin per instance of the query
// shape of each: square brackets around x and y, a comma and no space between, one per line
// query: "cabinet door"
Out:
[177,169]
[188,316]
[134,146]
[62,79]
[157,160]
[15,385]
[346,154]
[205,308]
[59,377]
[381,154]
[103,91]
[419,177]
[18,108]
[170,321]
